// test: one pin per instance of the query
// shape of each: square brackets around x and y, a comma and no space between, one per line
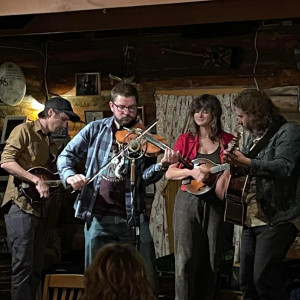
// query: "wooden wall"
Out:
[50,62]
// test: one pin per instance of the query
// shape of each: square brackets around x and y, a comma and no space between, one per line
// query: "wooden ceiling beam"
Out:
[25,7]
[159,16]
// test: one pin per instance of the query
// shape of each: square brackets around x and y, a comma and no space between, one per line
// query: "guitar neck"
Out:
[53,182]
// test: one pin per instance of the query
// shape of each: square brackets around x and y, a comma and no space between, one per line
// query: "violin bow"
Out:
[89,180]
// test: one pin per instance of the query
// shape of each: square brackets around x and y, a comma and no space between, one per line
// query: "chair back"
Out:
[63,287]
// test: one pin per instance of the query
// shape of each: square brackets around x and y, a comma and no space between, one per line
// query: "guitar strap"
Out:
[262,143]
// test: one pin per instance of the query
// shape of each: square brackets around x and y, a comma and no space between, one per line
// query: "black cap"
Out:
[62,105]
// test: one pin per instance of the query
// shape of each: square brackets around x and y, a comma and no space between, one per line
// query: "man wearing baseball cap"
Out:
[29,147]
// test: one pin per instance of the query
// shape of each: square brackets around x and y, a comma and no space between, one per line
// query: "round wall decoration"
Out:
[12,84]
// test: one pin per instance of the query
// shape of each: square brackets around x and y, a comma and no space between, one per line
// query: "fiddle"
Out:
[136,138]
[151,144]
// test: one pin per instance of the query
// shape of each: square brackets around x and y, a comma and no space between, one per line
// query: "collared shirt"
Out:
[93,143]
[29,147]
[254,215]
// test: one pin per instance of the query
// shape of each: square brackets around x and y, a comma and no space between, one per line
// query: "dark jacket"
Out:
[277,172]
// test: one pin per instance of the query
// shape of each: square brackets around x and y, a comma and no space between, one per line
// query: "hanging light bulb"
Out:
[35,104]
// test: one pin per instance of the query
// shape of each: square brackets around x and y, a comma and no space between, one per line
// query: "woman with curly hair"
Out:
[118,272]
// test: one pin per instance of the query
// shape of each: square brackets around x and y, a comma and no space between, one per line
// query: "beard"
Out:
[126,122]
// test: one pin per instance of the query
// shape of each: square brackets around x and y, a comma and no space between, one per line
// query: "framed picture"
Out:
[10,123]
[140,114]
[87,84]
[92,115]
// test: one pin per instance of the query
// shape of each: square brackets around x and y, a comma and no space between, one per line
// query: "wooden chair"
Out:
[63,287]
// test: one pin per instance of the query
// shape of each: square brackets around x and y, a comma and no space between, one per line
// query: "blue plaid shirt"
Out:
[93,143]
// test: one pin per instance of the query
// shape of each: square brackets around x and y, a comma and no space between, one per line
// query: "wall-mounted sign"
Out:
[12,84]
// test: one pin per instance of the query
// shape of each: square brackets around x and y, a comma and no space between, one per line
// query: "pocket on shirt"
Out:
[34,150]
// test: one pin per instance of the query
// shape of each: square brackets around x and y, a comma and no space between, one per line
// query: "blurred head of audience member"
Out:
[118,272]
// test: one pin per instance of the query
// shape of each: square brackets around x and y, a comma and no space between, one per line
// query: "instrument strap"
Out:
[262,143]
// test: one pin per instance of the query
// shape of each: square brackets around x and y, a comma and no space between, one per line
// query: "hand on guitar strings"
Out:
[237,159]
[77,181]
[43,189]
[201,172]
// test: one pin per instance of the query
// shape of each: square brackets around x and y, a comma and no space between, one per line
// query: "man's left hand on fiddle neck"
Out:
[170,157]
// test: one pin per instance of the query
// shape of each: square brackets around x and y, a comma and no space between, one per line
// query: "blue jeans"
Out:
[25,235]
[110,229]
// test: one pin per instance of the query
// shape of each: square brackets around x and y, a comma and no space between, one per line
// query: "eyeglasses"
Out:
[131,108]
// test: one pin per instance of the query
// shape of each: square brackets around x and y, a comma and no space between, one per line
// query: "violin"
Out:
[132,138]
[151,144]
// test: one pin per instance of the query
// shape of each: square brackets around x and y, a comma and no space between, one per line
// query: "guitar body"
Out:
[235,208]
[29,190]
[201,187]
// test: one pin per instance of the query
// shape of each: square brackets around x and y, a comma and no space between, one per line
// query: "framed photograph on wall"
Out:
[87,84]
[10,123]
[92,115]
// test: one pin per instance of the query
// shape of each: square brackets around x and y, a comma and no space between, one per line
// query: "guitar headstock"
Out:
[234,143]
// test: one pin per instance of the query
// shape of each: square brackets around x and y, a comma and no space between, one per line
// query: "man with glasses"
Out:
[106,203]
[30,145]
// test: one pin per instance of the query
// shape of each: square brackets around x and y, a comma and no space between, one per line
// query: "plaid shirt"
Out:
[93,143]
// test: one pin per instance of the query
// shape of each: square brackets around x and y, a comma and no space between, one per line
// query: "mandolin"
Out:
[29,190]
[200,187]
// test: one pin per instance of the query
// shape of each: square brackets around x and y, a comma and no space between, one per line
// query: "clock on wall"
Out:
[12,84]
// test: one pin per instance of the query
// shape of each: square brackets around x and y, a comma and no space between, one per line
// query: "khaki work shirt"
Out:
[29,147]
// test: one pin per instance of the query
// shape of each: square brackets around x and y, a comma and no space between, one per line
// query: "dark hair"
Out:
[259,109]
[117,272]
[124,89]
[213,106]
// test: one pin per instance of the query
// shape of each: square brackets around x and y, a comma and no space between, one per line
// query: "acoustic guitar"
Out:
[200,187]
[29,190]
[235,198]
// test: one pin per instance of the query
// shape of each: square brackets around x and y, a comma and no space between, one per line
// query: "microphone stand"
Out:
[135,206]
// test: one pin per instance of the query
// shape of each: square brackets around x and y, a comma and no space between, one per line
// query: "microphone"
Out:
[134,145]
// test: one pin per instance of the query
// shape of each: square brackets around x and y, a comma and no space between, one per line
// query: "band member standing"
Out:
[198,219]
[30,145]
[106,203]
[273,200]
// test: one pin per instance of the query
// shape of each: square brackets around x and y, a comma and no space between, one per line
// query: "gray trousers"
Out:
[25,235]
[197,224]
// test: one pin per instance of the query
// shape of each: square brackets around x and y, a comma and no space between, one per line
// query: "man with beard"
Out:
[271,160]
[106,203]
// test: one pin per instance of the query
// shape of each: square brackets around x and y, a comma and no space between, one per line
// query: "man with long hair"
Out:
[273,198]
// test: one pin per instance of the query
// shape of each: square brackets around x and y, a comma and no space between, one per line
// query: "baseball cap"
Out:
[62,105]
